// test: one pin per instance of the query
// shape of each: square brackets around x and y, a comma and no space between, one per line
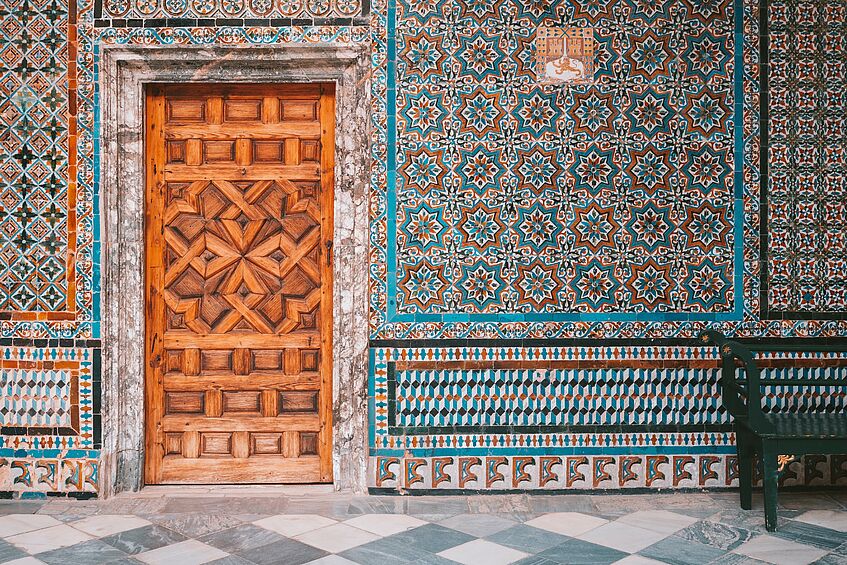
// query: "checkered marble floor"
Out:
[264,526]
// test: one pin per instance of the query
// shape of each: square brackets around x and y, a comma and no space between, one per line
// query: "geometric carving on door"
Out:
[242,256]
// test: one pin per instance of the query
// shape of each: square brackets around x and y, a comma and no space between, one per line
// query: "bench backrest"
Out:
[743,397]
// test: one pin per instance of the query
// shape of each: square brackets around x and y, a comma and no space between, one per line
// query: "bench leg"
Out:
[769,482]
[745,471]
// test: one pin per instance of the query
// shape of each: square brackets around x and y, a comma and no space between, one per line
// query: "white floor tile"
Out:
[637,560]
[482,551]
[567,523]
[622,537]
[25,561]
[103,525]
[14,524]
[48,539]
[832,519]
[189,552]
[294,524]
[337,538]
[660,521]
[385,524]
[779,551]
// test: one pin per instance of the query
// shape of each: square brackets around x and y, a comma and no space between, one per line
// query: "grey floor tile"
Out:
[737,559]
[407,547]
[143,539]
[437,505]
[384,552]
[810,534]
[226,505]
[241,538]
[568,503]
[90,552]
[579,552]
[478,525]
[678,551]
[230,560]
[534,560]
[430,559]
[197,525]
[287,551]
[832,559]
[715,534]
[527,539]
[16,507]
[431,538]
[9,552]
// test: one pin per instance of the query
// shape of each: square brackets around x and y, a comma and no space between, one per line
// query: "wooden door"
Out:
[239,283]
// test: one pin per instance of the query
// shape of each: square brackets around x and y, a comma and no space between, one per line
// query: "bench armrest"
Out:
[743,399]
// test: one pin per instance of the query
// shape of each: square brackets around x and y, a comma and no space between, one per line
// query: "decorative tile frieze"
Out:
[228,9]
[50,471]
[582,471]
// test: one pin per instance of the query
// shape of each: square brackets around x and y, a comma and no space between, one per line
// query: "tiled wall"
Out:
[506,206]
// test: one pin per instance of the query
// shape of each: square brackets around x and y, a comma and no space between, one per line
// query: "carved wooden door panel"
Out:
[238,281]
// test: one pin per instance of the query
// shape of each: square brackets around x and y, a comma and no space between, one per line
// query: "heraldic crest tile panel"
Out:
[562,194]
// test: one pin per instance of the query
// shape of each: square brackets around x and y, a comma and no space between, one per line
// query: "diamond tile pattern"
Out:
[681,528]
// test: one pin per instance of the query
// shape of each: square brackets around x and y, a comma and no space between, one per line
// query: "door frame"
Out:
[155,96]
[125,72]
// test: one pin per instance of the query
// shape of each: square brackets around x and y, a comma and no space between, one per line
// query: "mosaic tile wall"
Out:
[615,195]
[622,202]
[807,158]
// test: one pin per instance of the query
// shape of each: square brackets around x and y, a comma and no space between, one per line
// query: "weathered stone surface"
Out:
[124,72]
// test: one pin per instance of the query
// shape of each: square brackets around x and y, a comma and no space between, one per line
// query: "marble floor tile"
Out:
[228,560]
[101,525]
[48,539]
[621,536]
[478,525]
[332,560]
[143,539]
[20,507]
[810,534]
[832,559]
[9,552]
[287,551]
[197,525]
[26,561]
[637,560]
[385,524]
[527,538]
[832,519]
[294,524]
[88,552]
[392,550]
[778,551]
[188,552]
[482,551]
[660,521]
[241,538]
[722,536]
[678,551]
[580,552]
[567,523]
[336,538]
[13,524]
[431,538]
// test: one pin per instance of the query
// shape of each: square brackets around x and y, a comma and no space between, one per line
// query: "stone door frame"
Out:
[124,73]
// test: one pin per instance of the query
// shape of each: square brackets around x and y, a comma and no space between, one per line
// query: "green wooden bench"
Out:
[773,436]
